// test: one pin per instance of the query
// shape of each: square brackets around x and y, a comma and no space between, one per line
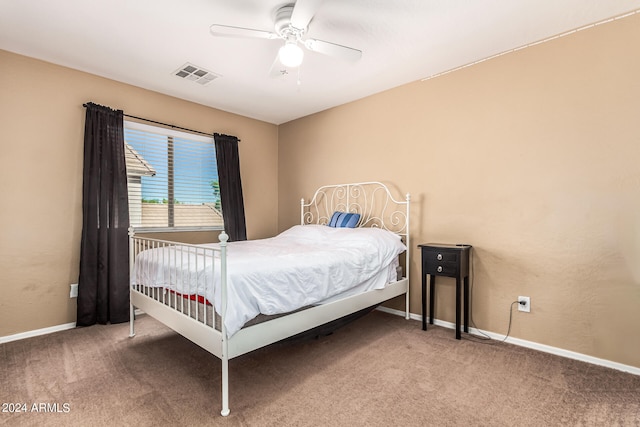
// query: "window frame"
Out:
[141,127]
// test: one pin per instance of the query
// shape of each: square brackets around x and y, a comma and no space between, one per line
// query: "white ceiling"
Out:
[142,42]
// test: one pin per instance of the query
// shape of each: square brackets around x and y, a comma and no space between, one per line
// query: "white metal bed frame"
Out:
[377,207]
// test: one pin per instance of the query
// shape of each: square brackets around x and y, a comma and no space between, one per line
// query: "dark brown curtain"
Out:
[103,285]
[230,186]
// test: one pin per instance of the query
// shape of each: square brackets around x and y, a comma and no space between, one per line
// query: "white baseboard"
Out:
[35,333]
[524,343]
[44,331]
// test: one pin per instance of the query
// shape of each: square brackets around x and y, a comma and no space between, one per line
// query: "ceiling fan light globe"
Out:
[291,55]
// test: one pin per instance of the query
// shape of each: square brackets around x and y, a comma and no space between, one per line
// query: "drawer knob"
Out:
[439,257]
[439,268]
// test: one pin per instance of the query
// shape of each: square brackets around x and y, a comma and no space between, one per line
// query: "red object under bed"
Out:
[192,297]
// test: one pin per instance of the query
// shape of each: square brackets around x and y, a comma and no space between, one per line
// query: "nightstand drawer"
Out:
[440,256]
[442,268]
[440,262]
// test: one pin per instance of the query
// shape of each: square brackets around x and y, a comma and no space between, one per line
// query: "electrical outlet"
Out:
[73,293]
[526,307]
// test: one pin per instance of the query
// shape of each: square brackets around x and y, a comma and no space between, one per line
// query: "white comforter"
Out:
[302,266]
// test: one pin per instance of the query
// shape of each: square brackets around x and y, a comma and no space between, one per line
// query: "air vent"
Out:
[196,74]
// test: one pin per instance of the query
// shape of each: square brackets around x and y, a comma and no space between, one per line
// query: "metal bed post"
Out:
[223,237]
[408,260]
[132,255]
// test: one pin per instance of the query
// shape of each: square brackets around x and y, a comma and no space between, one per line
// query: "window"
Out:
[172,178]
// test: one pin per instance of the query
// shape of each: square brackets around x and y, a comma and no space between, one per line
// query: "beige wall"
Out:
[533,158]
[42,121]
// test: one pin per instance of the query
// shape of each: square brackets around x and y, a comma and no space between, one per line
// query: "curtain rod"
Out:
[163,124]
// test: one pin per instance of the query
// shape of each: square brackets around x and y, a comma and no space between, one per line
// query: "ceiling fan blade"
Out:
[303,11]
[229,31]
[332,49]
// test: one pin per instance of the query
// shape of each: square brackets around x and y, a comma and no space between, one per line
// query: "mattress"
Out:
[203,312]
[303,266]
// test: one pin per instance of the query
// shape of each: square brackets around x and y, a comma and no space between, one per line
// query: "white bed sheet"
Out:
[301,266]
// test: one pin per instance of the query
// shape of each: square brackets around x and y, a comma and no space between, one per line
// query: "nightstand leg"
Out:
[458,292]
[466,304]
[432,297]
[424,302]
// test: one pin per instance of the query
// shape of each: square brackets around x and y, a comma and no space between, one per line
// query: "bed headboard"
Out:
[372,200]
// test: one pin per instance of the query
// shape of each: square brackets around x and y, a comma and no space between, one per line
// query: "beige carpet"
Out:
[380,370]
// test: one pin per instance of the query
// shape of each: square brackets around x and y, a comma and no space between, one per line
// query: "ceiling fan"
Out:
[291,24]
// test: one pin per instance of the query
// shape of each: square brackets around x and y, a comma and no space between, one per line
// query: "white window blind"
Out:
[172,179]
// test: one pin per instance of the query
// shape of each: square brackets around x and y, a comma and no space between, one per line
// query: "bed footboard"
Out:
[178,278]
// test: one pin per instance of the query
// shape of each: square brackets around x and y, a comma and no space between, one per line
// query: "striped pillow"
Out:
[344,219]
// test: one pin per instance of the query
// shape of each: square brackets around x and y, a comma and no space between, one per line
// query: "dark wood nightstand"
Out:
[440,259]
